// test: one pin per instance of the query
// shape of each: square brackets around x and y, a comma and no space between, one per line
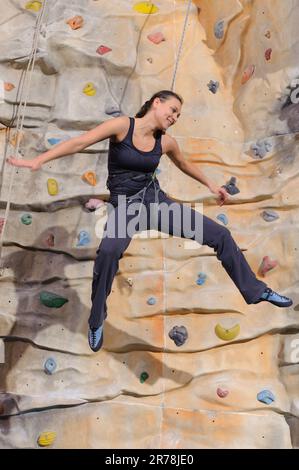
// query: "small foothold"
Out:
[26,219]
[247,74]
[2,409]
[94,204]
[143,377]
[50,241]
[35,6]
[103,50]
[261,148]
[52,186]
[219,29]
[227,334]
[266,266]
[178,334]
[158,171]
[268,54]
[76,22]
[1,224]
[150,60]
[151,301]
[268,34]
[269,215]
[231,187]
[90,178]
[156,38]
[51,300]
[223,218]
[222,393]
[53,141]
[46,439]
[113,111]
[83,238]
[50,366]
[8,86]
[265,396]
[89,89]
[213,86]
[130,281]
[201,279]
[148,8]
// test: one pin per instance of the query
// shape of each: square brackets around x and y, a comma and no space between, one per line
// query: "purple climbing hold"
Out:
[261,148]
[178,334]
[269,215]
[219,29]
[231,187]
[213,86]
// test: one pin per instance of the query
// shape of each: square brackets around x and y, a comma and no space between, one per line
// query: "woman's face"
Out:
[167,112]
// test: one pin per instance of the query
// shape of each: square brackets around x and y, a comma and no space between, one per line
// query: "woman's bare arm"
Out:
[107,129]
[173,152]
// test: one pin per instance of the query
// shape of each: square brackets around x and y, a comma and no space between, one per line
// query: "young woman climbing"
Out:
[136,145]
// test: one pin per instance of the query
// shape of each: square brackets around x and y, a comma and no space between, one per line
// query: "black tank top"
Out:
[124,156]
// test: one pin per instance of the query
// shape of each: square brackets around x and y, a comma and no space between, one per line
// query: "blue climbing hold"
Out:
[50,366]
[113,111]
[266,396]
[201,279]
[219,29]
[54,141]
[157,171]
[151,301]
[223,218]
[83,238]
[231,187]
[213,86]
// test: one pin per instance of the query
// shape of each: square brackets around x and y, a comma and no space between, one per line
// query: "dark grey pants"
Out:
[214,235]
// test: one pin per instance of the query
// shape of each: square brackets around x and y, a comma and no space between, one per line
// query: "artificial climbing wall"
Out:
[186,363]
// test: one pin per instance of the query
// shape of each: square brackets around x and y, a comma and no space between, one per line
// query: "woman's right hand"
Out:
[34,164]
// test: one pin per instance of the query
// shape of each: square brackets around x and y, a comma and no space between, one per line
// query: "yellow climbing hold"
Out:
[52,187]
[89,89]
[46,439]
[227,334]
[35,6]
[146,7]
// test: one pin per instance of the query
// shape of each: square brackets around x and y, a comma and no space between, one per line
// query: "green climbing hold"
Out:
[26,219]
[49,299]
[143,377]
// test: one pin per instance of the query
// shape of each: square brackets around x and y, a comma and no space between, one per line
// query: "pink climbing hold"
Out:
[156,38]
[266,265]
[268,54]
[222,393]
[93,204]
[247,74]
[103,50]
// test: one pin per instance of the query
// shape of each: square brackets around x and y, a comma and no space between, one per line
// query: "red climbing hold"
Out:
[1,224]
[268,54]
[247,74]
[103,50]
[50,241]
[156,38]
[266,265]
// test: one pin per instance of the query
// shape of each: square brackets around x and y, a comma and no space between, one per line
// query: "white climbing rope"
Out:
[177,59]
[25,81]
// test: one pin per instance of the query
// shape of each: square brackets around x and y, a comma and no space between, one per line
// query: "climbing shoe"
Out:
[95,338]
[276,299]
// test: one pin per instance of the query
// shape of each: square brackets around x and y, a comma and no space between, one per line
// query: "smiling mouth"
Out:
[170,122]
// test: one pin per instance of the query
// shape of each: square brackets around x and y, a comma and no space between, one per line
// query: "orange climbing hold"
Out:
[90,178]
[76,22]
[268,54]
[266,265]
[156,38]
[103,50]
[247,74]
[8,86]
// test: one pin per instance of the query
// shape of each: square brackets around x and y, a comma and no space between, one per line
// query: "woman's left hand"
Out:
[221,193]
